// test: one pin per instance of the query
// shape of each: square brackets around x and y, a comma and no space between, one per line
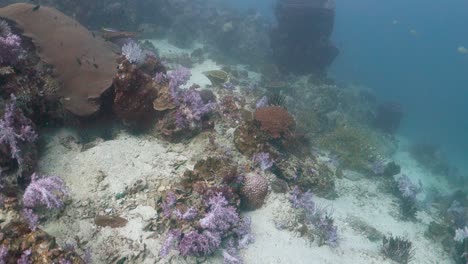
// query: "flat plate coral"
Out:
[83,62]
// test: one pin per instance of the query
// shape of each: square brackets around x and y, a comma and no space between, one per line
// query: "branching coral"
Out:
[263,160]
[320,218]
[15,131]
[407,192]
[191,109]
[46,191]
[397,249]
[221,217]
[10,45]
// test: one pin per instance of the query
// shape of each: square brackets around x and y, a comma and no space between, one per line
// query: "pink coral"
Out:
[254,190]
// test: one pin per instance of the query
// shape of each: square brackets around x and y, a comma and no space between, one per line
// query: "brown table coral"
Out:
[84,62]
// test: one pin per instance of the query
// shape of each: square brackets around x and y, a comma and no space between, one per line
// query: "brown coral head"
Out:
[254,190]
[275,120]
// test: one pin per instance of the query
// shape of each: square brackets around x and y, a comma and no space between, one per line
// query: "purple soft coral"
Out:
[221,216]
[15,128]
[191,109]
[263,160]
[199,244]
[178,78]
[47,191]
[3,254]
[172,238]
[320,218]
[407,188]
[25,257]
[10,49]
[244,233]
[31,218]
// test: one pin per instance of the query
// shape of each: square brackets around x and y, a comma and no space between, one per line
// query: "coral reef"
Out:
[254,190]
[407,192]
[397,249]
[276,121]
[19,243]
[320,218]
[352,145]
[10,46]
[85,64]
[17,140]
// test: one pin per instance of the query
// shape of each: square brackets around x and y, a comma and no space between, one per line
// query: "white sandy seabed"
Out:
[144,166]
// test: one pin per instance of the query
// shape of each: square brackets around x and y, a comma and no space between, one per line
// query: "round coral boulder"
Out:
[254,190]
[275,120]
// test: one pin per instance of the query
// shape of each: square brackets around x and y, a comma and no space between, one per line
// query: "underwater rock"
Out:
[42,249]
[254,190]
[84,63]
[275,121]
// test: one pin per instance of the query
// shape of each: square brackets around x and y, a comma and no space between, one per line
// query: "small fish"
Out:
[462,50]
[78,60]
[414,33]
[94,35]
[395,22]
[95,65]
[36,8]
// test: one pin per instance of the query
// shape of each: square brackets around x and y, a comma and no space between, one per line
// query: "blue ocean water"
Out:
[407,52]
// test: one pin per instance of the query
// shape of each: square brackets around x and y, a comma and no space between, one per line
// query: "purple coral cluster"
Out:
[170,210]
[42,191]
[177,78]
[320,218]
[45,191]
[3,254]
[407,188]
[133,52]
[221,221]
[10,45]
[190,106]
[191,109]
[221,216]
[15,129]
[263,160]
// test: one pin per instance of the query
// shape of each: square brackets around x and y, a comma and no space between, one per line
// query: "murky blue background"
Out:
[407,51]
